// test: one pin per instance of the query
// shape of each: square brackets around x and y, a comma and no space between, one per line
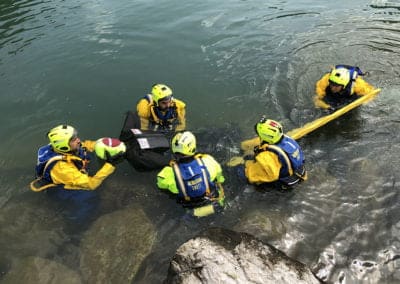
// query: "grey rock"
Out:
[223,256]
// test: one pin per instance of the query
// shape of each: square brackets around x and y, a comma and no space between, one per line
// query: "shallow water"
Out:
[86,62]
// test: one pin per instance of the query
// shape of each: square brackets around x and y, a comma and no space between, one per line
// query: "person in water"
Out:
[63,163]
[62,171]
[196,179]
[161,111]
[147,131]
[278,159]
[340,87]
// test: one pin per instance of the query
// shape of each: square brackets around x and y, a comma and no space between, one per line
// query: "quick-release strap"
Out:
[154,116]
[285,157]
[180,180]
[48,163]
[38,189]
[205,176]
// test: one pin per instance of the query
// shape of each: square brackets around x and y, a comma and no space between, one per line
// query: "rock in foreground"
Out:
[222,256]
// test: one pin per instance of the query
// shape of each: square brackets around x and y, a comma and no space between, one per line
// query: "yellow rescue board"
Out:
[248,145]
[311,126]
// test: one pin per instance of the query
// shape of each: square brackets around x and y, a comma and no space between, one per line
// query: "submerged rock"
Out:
[223,256]
[40,270]
[264,224]
[114,247]
[29,229]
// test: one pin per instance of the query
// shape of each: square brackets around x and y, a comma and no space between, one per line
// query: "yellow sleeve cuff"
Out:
[89,145]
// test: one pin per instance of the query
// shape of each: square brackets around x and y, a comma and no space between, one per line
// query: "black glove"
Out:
[329,110]
[116,159]
[248,157]
[256,150]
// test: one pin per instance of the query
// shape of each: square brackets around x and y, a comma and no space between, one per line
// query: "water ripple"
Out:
[19,21]
[242,58]
[291,14]
[384,4]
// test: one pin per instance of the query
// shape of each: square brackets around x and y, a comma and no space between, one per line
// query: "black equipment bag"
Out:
[146,150]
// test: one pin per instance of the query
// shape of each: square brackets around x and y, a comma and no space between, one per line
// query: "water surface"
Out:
[87,62]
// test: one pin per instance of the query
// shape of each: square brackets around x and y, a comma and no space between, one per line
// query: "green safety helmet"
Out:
[161,92]
[60,136]
[340,76]
[269,130]
[184,143]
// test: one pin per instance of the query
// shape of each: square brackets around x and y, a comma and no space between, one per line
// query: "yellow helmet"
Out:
[161,92]
[60,136]
[184,143]
[340,76]
[269,130]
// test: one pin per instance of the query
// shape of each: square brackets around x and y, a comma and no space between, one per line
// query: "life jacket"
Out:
[165,120]
[291,157]
[193,181]
[336,99]
[47,158]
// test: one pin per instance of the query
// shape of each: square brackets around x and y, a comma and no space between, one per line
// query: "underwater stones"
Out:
[32,270]
[115,245]
[29,229]
[263,224]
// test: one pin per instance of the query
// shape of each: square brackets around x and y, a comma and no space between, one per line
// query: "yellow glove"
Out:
[235,161]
